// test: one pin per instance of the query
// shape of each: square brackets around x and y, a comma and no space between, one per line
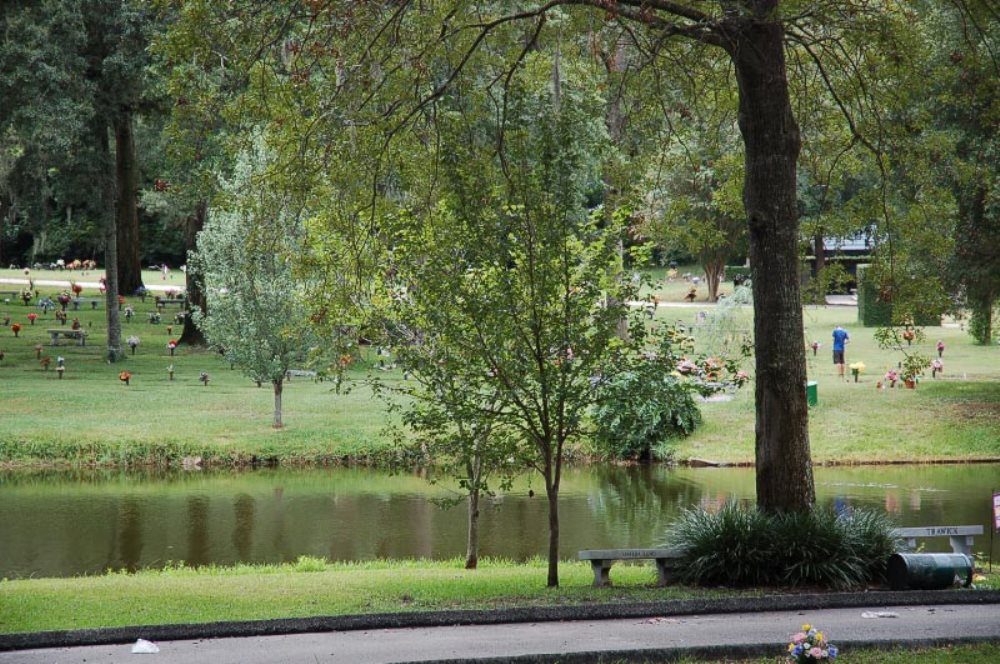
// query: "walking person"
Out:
[840,340]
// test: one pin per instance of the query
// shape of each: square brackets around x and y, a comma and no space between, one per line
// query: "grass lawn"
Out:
[966,654]
[956,416]
[312,587]
[90,417]
[674,289]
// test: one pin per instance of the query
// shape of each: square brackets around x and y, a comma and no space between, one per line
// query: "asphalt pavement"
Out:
[655,638]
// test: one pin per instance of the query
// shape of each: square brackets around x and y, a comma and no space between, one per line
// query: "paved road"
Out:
[466,642]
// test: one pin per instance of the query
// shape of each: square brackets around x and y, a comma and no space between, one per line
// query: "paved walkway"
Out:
[64,283]
[770,632]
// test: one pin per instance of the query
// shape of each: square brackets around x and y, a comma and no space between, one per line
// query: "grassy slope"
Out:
[956,416]
[89,416]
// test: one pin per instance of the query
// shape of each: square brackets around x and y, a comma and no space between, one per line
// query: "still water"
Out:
[60,524]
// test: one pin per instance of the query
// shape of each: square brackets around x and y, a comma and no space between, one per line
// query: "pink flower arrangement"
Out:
[171,345]
[936,366]
[810,645]
[891,376]
[31,317]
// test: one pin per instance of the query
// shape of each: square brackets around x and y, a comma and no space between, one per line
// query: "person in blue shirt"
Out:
[840,339]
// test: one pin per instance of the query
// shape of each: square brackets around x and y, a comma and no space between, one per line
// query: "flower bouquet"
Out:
[815,346]
[937,366]
[891,376]
[125,376]
[856,369]
[810,645]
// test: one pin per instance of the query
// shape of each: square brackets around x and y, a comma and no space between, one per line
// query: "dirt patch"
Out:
[981,411]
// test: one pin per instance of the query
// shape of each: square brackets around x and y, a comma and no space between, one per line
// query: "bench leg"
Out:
[962,544]
[55,340]
[662,575]
[602,570]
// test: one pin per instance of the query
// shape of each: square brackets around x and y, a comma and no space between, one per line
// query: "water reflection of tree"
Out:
[197,531]
[244,507]
[130,533]
[637,502]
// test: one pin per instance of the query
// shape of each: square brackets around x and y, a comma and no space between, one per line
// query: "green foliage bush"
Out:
[642,408]
[741,546]
[831,279]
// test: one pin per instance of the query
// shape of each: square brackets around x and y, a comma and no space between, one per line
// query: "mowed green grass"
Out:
[956,416]
[90,417]
[313,587]
[985,653]
[90,413]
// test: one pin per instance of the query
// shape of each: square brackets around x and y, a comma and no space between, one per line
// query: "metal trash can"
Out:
[929,571]
[812,393]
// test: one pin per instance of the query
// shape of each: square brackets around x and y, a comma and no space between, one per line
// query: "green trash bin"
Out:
[812,393]
[929,571]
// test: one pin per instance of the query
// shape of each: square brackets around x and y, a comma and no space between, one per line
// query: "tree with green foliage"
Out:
[257,314]
[74,80]
[504,314]
[353,88]
[692,201]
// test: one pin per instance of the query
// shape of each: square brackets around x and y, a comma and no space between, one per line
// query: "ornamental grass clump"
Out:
[741,546]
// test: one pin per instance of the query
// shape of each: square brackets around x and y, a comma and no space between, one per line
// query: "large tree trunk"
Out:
[982,314]
[196,299]
[127,215]
[819,251]
[714,271]
[278,386]
[109,199]
[771,137]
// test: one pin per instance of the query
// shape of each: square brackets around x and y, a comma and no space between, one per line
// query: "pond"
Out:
[70,523]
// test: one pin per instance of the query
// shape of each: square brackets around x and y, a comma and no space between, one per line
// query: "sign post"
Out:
[996,523]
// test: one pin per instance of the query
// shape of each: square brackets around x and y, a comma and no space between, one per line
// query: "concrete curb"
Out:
[744,651]
[89,637]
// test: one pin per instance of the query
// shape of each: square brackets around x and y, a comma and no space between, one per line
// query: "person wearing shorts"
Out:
[840,339]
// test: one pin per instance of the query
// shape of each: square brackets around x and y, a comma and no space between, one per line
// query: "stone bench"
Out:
[12,293]
[601,561]
[77,301]
[79,335]
[961,538]
[164,301]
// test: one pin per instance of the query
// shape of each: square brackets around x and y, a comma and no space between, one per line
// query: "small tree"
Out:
[256,310]
[512,291]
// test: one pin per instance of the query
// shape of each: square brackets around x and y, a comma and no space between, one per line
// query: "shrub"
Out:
[740,546]
[641,409]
